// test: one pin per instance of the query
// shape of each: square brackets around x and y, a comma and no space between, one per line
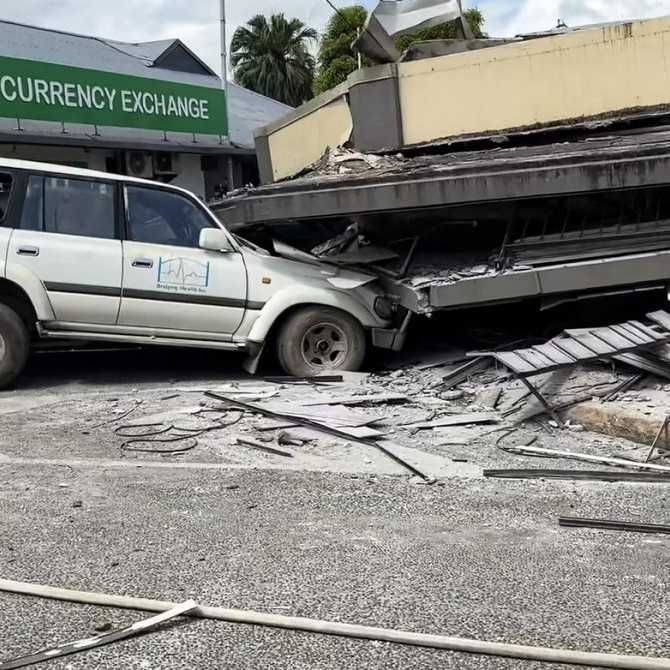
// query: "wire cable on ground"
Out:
[117,418]
[159,434]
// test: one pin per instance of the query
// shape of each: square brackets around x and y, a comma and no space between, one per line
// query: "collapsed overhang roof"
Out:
[609,162]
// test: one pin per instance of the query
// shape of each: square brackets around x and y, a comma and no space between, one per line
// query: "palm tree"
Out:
[272,57]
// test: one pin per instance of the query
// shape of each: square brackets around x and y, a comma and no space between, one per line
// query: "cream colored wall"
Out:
[539,81]
[303,141]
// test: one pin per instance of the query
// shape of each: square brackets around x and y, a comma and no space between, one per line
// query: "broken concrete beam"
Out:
[617,420]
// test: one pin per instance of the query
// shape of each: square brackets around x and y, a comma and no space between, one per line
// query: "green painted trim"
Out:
[49,92]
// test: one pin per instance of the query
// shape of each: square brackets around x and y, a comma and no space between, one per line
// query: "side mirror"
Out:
[214,239]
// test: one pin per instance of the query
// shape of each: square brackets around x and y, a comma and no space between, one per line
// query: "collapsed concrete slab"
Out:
[608,71]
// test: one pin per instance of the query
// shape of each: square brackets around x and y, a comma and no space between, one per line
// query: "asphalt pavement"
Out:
[465,557]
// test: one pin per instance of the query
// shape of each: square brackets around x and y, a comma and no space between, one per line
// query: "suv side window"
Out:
[160,217]
[70,207]
[32,217]
[6,184]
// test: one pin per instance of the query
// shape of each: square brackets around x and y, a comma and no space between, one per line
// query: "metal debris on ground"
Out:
[587,458]
[426,359]
[578,346]
[263,447]
[310,423]
[336,416]
[626,385]
[321,379]
[440,360]
[466,371]
[86,644]
[354,400]
[647,362]
[605,524]
[351,431]
[662,431]
[456,420]
[579,475]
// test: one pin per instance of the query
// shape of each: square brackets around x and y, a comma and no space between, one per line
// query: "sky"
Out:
[196,22]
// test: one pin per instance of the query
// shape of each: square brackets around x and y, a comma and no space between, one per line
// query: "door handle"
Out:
[146,263]
[28,251]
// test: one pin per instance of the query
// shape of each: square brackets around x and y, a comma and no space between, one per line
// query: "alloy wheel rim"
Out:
[324,346]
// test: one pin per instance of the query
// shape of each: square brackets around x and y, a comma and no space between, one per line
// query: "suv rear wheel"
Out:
[315,340]
[14,346]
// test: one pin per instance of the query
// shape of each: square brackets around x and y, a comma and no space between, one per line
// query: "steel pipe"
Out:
[543,654]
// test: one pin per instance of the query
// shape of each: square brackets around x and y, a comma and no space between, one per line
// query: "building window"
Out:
[6,183]
[70,207]
[160,217]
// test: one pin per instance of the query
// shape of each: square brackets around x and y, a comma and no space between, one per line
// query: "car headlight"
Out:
[384,308]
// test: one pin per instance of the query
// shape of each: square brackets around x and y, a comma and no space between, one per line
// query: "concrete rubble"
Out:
[411,407]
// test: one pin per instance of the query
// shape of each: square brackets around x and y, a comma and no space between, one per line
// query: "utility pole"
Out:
[359,55]
[224,48]
[224,84]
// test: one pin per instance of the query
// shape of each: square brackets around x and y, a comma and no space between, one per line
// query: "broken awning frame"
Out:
[580,346]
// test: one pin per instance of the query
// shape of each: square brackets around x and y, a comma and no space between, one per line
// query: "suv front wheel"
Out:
[316,340]
[14,345]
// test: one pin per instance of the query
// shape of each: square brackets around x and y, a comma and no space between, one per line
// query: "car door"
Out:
[68,238]
[8,187]
[169,282]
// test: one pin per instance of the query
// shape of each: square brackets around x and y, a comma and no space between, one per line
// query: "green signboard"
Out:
[49,92]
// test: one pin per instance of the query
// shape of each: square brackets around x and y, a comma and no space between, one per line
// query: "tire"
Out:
[316,340]
[14,346]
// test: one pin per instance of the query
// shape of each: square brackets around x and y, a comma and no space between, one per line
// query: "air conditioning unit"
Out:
[164,164]
[140,164]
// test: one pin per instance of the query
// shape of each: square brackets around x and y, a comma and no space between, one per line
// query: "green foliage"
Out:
[445,31]
[337,59]
[271,57]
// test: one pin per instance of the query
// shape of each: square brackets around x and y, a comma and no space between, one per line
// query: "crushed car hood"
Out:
[340,278]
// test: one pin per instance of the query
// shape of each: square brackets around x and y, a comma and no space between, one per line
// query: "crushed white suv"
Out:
[93,256]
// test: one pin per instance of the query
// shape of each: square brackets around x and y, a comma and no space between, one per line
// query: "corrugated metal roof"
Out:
[246,110]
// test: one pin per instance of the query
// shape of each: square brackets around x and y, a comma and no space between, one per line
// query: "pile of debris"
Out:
[428,417]
[344,161]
